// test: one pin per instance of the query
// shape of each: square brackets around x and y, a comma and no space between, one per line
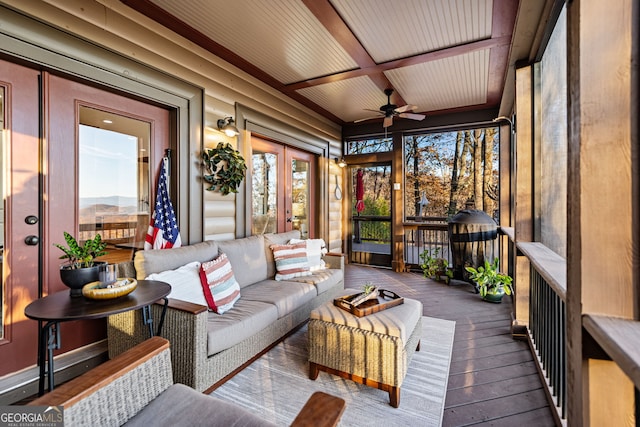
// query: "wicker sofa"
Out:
[136,388]
[207,347]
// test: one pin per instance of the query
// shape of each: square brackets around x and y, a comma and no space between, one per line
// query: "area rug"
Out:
[277,385]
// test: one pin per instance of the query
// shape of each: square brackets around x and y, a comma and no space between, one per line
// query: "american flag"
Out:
[163,228]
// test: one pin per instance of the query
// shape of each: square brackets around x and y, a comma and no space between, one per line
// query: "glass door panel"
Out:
[282,188]
[265,192]
[116,208]
[371,215]
[300,190]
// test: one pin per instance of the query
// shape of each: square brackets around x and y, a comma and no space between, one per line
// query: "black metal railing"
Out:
[432,236]
[371,229]
[547,332]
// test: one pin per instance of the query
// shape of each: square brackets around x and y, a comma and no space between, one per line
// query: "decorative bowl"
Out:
[99,290]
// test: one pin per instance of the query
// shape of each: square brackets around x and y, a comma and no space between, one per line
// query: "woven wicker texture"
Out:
[110,406]
[372,355]
[187,334]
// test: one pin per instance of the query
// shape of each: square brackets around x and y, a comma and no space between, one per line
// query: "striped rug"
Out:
[277,385]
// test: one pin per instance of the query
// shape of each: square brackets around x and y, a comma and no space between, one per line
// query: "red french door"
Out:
[54,150]
[21,217]
[283,188]
[78,164]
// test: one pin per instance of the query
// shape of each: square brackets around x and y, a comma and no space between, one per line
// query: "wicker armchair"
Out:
[137,388]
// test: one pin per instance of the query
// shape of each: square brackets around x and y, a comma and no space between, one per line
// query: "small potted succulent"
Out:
[81,267]
[435,267]
[491,284]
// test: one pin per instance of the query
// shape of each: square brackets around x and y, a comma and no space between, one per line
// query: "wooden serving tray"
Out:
[386,299]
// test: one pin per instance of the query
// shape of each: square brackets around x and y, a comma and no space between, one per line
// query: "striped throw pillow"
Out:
[221,290]
[291,260]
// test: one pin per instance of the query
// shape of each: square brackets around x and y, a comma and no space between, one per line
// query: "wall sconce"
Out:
[341,163]
[226,125]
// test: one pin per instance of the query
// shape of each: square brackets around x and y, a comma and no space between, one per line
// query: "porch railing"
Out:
[371,229]
[426,234]
[547,318]
[114,232]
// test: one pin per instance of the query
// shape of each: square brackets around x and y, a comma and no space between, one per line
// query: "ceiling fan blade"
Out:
[405,108]
[412,116]
[375,111]
[388,121]
[366,118]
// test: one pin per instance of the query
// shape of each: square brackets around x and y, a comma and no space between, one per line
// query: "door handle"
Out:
[32,240]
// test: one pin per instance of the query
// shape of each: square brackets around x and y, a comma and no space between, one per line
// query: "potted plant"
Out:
[491,284]
[435,267]
[81,267]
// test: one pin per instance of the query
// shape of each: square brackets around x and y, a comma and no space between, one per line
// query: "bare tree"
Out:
[454,173]
[487,174]
[477,168]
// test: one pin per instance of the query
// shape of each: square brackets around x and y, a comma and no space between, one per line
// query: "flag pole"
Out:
[167,160]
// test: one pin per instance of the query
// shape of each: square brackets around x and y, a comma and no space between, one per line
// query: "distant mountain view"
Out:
[110,209]
[116,201]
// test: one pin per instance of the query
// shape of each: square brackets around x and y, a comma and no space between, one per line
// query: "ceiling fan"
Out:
[390,110]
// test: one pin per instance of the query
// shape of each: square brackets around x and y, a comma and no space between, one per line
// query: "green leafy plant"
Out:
[226,168]
[434,266]
[81,255]
[489,279]
[368,287]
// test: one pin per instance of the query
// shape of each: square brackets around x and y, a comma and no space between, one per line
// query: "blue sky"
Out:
[108,163]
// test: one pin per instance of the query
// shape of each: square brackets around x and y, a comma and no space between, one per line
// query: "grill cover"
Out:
[472,234]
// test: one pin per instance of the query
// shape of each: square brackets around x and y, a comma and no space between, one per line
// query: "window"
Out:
[113,183]
[447,171]
[370,145]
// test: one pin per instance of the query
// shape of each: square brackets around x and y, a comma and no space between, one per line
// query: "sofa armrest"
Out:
[129,381]
[185,326]
[334,260]
[188,307]
[321,410]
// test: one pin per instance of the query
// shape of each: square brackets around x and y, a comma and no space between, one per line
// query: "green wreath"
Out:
[226,168]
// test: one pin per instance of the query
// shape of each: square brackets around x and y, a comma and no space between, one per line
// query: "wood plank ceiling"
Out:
[337,56]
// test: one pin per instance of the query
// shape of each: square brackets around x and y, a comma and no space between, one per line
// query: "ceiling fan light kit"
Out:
[390,110]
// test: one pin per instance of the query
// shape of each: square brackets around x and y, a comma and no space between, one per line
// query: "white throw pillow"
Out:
[185,283]
[315,249]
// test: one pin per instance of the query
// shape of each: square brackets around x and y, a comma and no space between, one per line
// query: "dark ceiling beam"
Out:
[405,62]
[502,24]
[324,11]
[150,10]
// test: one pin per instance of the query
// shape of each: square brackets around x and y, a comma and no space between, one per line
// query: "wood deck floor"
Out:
[493,379]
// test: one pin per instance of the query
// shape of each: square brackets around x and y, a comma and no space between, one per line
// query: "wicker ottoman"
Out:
[374,350]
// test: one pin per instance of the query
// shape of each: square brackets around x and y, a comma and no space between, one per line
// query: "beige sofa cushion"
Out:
[286,296]
[245,319]
[323,280]
[158,260]
[247,257]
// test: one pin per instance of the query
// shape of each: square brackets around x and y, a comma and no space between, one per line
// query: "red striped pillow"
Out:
[221,290]
[291,260]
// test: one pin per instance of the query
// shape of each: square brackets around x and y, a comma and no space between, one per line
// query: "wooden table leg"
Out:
[313,371]
[394,396]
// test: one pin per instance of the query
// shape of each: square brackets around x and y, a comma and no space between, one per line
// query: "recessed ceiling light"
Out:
[107,121]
